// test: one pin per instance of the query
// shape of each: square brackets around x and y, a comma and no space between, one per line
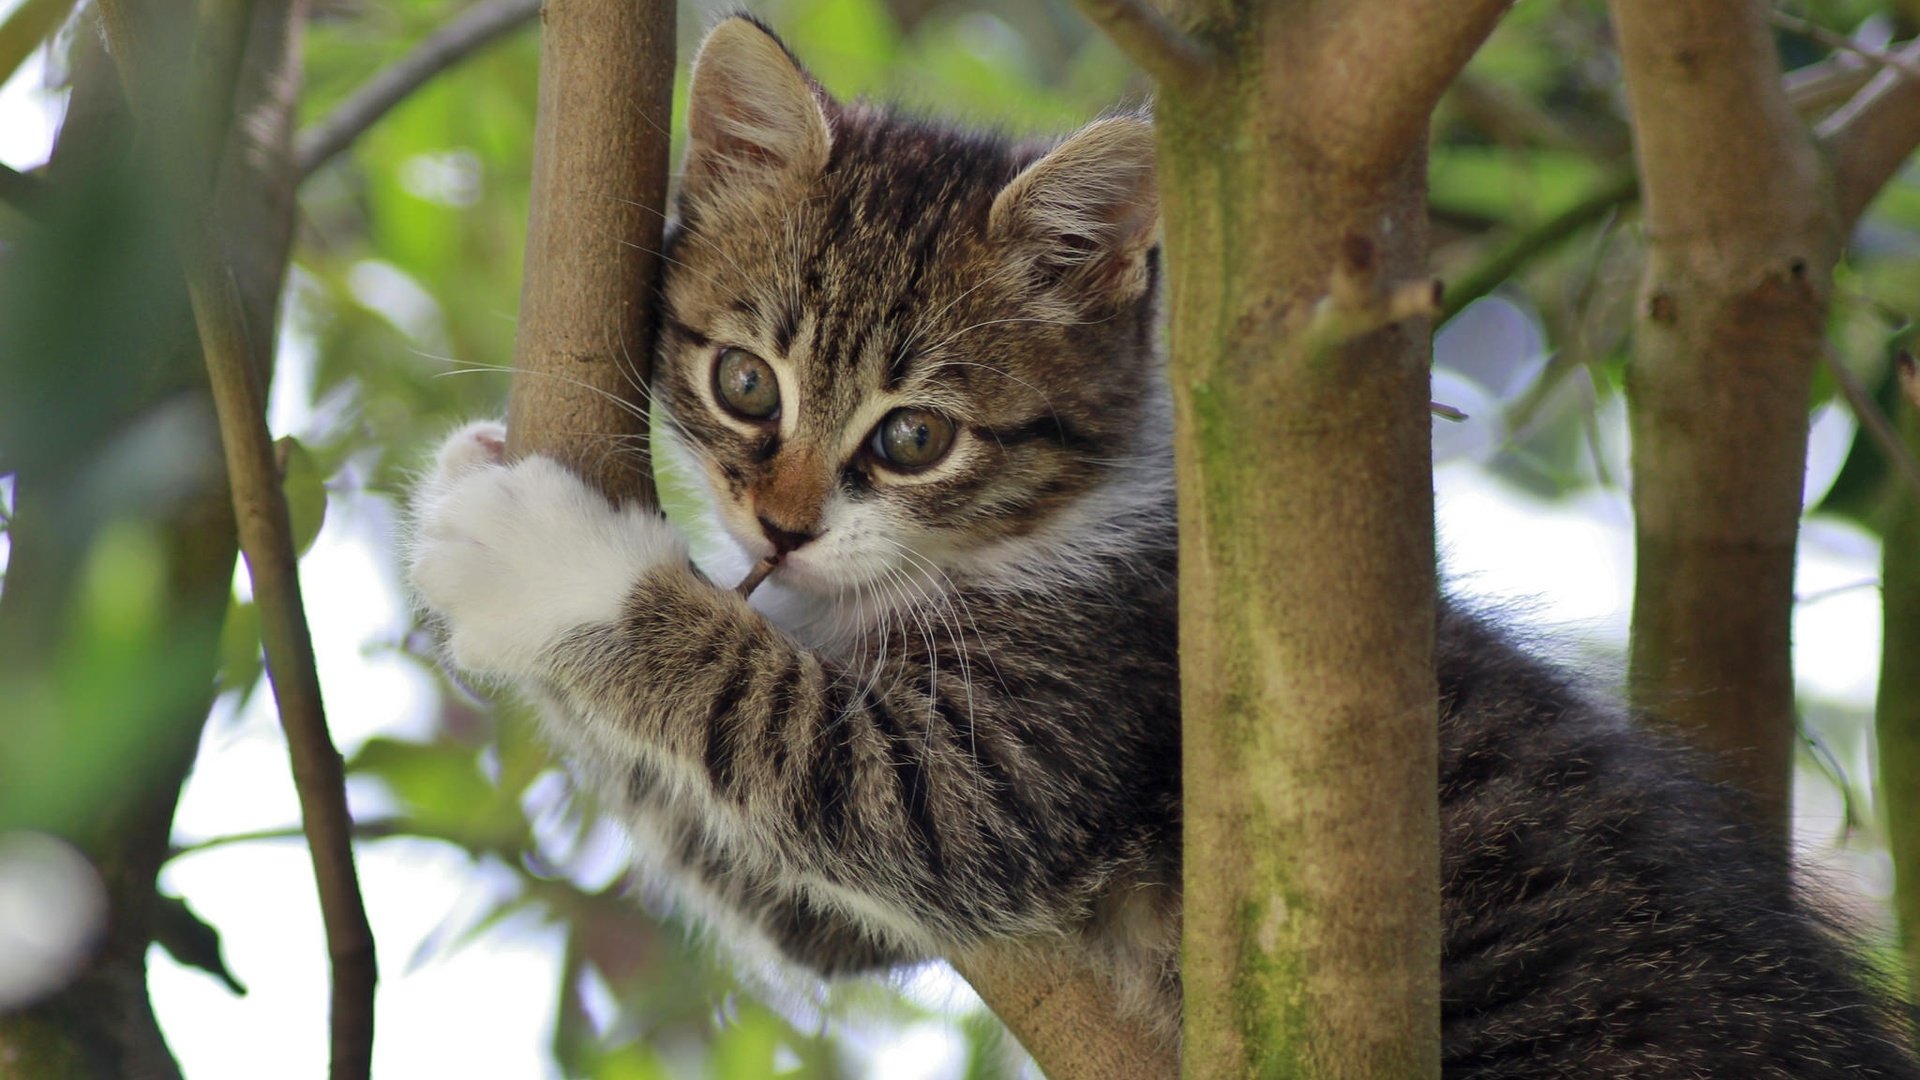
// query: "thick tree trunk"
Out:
[1742,239]
[1306,596]
[1292,153]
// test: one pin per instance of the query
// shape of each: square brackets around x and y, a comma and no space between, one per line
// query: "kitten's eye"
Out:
[744,383]
[912,438]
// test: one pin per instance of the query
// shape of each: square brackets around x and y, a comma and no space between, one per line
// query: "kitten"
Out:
[918,365]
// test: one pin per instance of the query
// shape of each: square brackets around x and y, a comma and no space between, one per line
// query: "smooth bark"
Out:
[584,351]
[1293,185]
[1742,238]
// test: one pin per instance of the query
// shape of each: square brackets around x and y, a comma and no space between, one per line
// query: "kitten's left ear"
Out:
[1089,210]
[754,118]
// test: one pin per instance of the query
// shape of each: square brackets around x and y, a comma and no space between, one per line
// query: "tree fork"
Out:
[1742,240]
[1299,375]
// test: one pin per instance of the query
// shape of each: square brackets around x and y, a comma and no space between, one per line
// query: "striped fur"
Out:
[953,713]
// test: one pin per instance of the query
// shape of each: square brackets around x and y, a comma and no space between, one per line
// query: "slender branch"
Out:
[1816,88]
[1509,257]
[1842,43]
[1896,715]
[266,539]
[1876,423]
[1872,135]
[378,829]
[1150,39]
[1878,427]
[474,29]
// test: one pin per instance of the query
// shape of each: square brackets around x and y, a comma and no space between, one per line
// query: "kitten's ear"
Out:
[754,120]
[1088,212]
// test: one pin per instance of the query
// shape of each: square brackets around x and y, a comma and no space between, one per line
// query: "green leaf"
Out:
[446,795]
[241,660]
[191,940]
[306,492]
[744,1050]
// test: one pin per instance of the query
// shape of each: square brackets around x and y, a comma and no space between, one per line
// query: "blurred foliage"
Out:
[399,323]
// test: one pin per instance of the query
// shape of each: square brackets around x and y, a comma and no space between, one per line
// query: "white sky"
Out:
[488,1009]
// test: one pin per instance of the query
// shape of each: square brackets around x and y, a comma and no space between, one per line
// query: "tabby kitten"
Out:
[917,366]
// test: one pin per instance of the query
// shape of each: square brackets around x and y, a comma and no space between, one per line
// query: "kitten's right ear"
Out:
[754,119]
[1087,213]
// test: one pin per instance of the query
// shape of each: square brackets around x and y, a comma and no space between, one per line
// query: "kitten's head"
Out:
[889,343]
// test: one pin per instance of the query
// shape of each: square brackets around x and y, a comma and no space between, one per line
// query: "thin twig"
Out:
[1818,87]
[1878,427]
[1507,259]
[475,28]
[1843,43]
[1871,136]
[266,538]
[1150,39]
[755,576]
[378,829]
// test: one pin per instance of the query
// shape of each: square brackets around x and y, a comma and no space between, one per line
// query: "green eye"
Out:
[912,438]
[744,383]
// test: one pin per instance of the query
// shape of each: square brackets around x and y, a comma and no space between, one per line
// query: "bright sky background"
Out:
[487,1009]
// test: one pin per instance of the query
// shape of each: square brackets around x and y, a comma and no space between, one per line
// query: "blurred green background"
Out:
[397,322]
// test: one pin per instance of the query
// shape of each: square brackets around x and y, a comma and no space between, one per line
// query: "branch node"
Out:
[1165,51]
[1357,303]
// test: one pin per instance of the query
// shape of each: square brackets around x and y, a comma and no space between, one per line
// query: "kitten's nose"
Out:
[784,540]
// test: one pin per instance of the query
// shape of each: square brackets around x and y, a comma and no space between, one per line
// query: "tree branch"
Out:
[1872,135]
[1064,1015]
[1816,88]
[1150,39]
[1741,249]
[1379,67]
[1878,426]
[1841,42]
[1896,716]
[583,356]
[1517,251]
[266,539]
[474,29]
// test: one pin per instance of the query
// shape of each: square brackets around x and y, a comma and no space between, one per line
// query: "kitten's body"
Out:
[962,720]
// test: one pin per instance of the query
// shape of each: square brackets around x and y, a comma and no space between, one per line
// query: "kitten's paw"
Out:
[482,442]
[515,556]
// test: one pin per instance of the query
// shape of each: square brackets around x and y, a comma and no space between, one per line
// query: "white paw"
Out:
[514,557]
[481,442]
